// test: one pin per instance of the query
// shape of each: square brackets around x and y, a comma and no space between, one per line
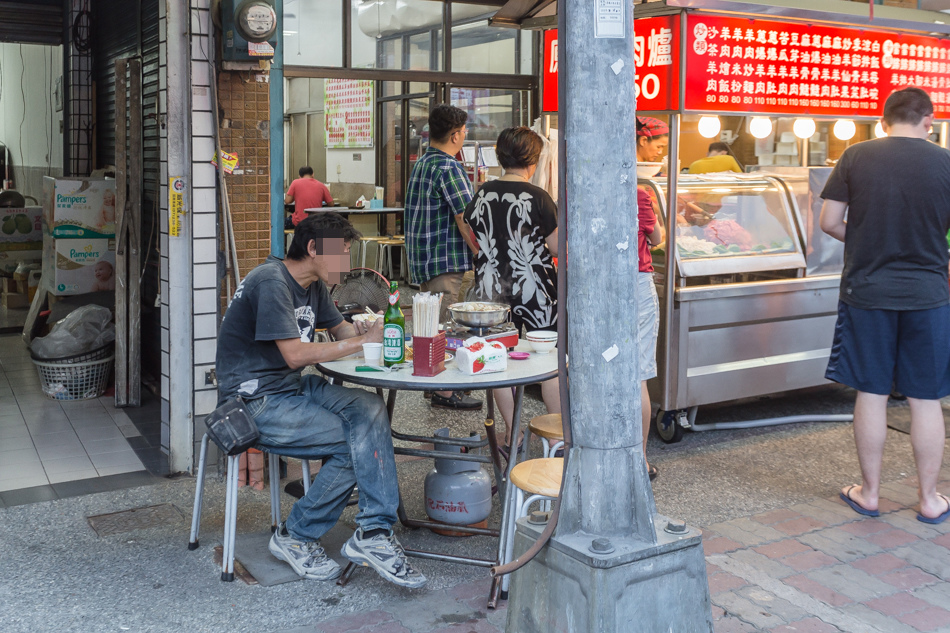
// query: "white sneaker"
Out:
[307,558]
[384,554]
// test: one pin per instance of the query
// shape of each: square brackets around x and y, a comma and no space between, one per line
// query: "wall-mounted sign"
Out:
[744,65]
[176,205]
[348,104]
[549,72]
[656,56]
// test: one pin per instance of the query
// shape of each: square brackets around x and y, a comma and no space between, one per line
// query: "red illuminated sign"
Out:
[656,55]
[743,65]
[549,72]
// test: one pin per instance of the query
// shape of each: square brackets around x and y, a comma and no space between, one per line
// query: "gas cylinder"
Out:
[457,492]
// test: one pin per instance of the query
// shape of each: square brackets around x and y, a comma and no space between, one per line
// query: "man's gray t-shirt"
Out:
[268,306]
[895,249]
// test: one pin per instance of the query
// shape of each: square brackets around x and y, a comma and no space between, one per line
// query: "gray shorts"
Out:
[648,324]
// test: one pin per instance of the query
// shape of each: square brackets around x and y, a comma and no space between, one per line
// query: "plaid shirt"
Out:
[438,190]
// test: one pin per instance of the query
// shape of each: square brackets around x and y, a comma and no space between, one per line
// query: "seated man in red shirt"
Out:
[307,192]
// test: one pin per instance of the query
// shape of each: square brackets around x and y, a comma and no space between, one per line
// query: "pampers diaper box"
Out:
[79,208]
[78,266]
[21,236]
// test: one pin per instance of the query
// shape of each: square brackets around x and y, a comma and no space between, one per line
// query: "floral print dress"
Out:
[510,221]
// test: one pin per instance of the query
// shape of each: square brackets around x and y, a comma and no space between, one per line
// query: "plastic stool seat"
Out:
[539,476]
[547,426]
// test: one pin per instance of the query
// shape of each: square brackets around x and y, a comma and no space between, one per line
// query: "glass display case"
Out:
[731,225]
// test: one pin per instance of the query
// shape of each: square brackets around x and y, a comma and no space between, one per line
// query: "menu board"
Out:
[348,105]
[761,66]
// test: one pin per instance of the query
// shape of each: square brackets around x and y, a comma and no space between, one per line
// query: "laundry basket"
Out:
[78,377]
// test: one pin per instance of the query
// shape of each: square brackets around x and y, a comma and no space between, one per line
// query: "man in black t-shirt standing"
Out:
[893,324]
[265,340]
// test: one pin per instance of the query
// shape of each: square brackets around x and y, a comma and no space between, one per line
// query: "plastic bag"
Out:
[83,330]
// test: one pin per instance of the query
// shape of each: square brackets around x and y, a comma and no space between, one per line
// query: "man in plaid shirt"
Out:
[438,243]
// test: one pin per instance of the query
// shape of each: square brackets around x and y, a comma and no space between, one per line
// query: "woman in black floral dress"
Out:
[515,227]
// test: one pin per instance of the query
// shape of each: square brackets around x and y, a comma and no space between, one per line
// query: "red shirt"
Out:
[308,193]
[647,221]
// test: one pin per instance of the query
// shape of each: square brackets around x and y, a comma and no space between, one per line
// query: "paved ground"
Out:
[784,554]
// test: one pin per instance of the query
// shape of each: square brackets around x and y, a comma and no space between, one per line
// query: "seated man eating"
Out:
[265,340]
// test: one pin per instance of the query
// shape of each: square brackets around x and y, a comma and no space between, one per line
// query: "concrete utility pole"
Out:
[613,565]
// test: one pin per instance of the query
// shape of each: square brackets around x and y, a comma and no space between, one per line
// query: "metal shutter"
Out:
[35,22]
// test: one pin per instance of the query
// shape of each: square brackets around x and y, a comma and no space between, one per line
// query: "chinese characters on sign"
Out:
[655,52]
[176,205]
[742,65]
[656,45]
[348,104]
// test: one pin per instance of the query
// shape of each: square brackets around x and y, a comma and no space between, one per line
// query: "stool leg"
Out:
[546,447]
[199,494]
[305,466]
[230,520]
[274,491]
[389,262]
[517,502]
[364,246]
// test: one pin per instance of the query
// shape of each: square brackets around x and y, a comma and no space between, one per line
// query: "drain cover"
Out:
[134,519]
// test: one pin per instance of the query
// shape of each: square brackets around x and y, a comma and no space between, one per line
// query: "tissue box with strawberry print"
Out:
[479,356]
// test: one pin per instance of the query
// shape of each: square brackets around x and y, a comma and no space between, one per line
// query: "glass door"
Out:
[403,134]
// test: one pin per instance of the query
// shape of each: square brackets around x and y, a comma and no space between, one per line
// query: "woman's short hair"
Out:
[319,227]
[908,105]
[518,147]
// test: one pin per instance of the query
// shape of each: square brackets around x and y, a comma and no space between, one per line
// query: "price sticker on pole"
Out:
[176,205]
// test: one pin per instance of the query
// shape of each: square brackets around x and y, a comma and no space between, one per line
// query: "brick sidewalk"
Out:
[816,567]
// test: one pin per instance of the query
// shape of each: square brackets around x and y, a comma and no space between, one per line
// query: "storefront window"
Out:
[480,48]
[313,33]
[490,111]
[404,35]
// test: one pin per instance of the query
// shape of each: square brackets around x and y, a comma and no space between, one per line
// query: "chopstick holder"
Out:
[428,355]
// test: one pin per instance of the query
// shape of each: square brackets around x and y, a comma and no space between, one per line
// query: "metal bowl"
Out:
[479,318]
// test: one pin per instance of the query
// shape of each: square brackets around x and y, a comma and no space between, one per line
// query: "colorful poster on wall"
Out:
[348,105]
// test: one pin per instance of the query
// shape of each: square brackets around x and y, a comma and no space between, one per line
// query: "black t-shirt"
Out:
[511,221]
[895,249]
[268,306]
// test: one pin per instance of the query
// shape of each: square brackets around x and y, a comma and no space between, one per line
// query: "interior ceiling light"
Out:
[845,129]
[804,128]
[760,126]
[709,126]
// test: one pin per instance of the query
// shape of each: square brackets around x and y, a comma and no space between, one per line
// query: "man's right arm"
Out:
[832,219]
[299,354]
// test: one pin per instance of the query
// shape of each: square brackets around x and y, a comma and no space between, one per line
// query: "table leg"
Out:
[504,491]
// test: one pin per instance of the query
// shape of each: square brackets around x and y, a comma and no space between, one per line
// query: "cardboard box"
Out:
[79,208]
[78,266]
[21,229]
[13,300]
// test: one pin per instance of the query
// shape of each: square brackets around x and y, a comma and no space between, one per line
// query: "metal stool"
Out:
[541,480]
[363,247]
[548,428]
[384,258]
[230,505]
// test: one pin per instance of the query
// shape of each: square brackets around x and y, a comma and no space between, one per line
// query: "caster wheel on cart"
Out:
[668,427]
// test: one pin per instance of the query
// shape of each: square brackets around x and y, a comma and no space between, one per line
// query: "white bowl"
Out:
[542,347]
[648,170]
[541,335]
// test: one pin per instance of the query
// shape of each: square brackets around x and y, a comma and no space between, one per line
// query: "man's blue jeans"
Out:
[350,429]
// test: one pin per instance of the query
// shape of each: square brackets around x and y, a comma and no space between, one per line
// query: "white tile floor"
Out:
[45,441]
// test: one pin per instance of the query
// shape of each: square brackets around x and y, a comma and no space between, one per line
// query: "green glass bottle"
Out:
[394,329]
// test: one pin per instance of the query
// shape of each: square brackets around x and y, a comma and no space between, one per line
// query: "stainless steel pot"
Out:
[479,318]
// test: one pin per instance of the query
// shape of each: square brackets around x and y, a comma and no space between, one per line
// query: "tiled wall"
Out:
[204,224]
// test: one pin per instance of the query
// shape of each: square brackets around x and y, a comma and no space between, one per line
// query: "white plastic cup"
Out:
[373,353]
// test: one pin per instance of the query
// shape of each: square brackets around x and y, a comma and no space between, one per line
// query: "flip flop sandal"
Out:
[653,472]
[937,519]
[846,497]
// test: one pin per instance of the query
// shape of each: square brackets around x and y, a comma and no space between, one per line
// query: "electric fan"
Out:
[359,289]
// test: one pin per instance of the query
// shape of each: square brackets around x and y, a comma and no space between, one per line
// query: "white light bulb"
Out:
[760,127]
[845,129]
[804,128]
[879,130]
[709,126]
